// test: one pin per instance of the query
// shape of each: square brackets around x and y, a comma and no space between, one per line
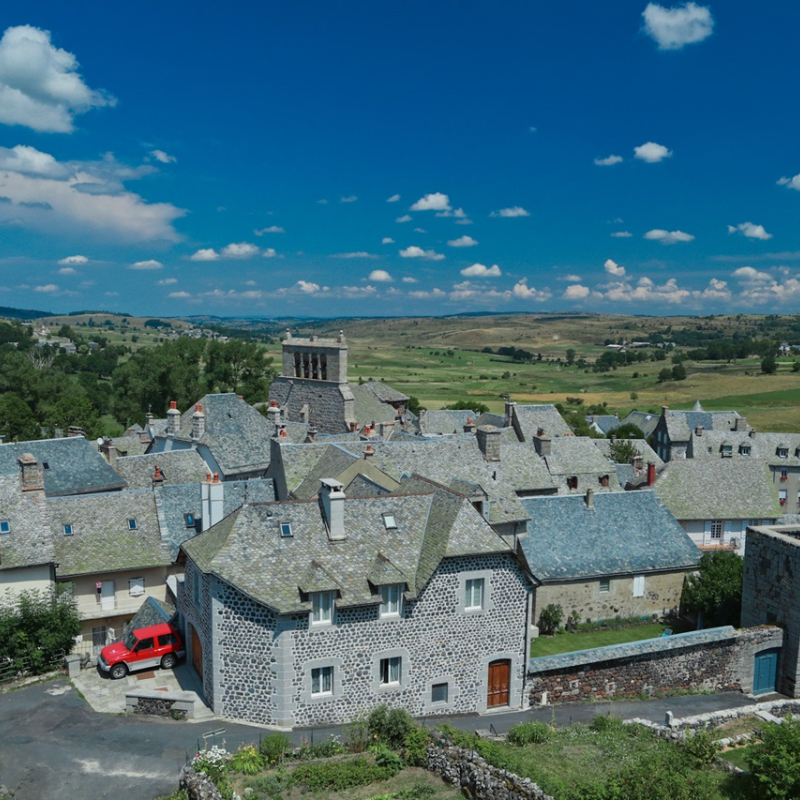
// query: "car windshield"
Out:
[130,641]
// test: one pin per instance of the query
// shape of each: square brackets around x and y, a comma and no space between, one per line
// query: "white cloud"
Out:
[308,287]
[612,268]
[576,292]
[205,254]
[570,278]
[349,199]
[409,279]
[164,158]
[34,163]
[418,252]
[74,260]
[458,213]
[420,230]
[668,237]
[621,235]
[481,271]
[179,295]
[751,275]
[67,271]
[514,211]
[357,254]
[380,276]
[463,241]
[40,86]
[432,202]
[524,292]
[422,294]
[151,263]
[387,240]
[270,252]
[652,152]
[750,231]
[48,289]
[271,229]
[404,218]
[167,282]
[608,161]
[790,183]
[239,250]
[393,199]
[672,28]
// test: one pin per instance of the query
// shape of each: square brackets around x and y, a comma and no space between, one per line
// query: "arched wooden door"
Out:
[499,681]
[197,652]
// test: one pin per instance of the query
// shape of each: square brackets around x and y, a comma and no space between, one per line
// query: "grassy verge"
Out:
[570,642]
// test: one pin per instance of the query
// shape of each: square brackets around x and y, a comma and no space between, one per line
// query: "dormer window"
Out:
[390,523]
[286,530]
[726,450]
[744,449]
[67,529]
[5,526]
[132,524]
[572,482]
[322,607]
[391,600]
[783,451]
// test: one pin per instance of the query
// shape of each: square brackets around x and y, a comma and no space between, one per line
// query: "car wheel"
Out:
[169,661]
[118,671]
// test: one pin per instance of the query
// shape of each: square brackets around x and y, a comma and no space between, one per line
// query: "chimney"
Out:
[469,427]
[664,411]
[305,413]
[198,423]
[148,422]
[31,473]
[274,415]
[740,424]
[368,453]
[158,478]
[109,452]
[509,420]
[489,442]
[698,430]
[74,430]
[589,498]
[311,435]
[542,444]
[651,473]
[331,495]
[212,494]
[173,419]
[751,433]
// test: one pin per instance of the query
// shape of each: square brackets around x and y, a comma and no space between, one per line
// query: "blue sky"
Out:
[364,158]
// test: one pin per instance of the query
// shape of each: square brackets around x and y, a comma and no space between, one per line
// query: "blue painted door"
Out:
[766,668]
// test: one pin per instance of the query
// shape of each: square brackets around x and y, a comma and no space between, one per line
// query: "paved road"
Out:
[52,745]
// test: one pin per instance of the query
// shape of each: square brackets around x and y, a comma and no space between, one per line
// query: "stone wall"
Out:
[330,406]
[715,660]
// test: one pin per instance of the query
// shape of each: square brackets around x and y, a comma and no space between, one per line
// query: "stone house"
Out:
[313,612]
[674,428]
[602,556]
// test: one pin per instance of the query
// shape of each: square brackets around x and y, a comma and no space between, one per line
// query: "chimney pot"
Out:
[173,404]
[651,473]
[589,498]
[216,477]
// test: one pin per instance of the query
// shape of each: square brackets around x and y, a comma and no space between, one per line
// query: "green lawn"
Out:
[570,642]
[737,757]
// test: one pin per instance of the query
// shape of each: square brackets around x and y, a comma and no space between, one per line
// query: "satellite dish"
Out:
[99,441]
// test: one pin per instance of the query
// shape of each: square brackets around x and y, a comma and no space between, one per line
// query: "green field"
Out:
[570,642]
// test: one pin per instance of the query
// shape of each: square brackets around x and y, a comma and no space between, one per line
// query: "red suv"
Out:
[143,648]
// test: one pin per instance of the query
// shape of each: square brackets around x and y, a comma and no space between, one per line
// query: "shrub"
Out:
[274,747]
[247,760]
[399,723]
[701,748]
[775,762]
[550,618]
[528,733]
[339,775]
[327,749]
[415,747]
[357,735]
[604,724]
[389,759]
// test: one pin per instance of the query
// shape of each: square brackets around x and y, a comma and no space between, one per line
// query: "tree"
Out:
[775,761]
[570,356]
[623,451]
[715,591]
[665,375]
[679,372]
[17,421]
[468,405]
[626,431]
[769,365]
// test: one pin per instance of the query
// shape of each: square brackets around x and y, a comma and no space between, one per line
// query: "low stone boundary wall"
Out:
[161,704]
[716,659]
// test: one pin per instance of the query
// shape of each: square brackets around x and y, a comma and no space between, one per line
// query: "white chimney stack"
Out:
[331,493]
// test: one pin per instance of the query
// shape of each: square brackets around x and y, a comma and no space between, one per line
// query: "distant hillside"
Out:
[22,313]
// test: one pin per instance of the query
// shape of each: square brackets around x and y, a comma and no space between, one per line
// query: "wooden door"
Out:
[499,680]
[197,652]
[765,671]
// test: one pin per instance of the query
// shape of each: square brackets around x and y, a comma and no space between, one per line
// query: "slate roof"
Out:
[368,407]
[579,457]
[530,418]
[625,532]
[724,489]
[29,541]
[75,466]
[763,446]
[441,422]
[177,466]
[430,527]
[385,393]
[643,448]
[680,424]
[131,445]
[643,420]
[604,422]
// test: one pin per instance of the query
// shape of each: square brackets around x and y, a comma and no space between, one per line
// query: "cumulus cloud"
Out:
[673,28]
[393,199]
[308,287]
[167,282]
[612,268]
[668,237]
[651,152]
[481,271]
[759,288]
[380,276]
[164,158]
[271,229]
[205,254]
[751,275]
[404,218]
[357,254]
[74,260]
[47,289]
[67,271]
[40,86]
[420,230]
[387,240]
[349,199]
[463,241]
[576,292]
[432,202]
[458,213]
[750,231]
[569,278]
[418,252]
[32,162]
[179,295]
[151,263]
[621,235]
[522,291]
[514,211]
[422,294]
[790,183]
[270,252]
[608,161]
[239,250]
[409,279]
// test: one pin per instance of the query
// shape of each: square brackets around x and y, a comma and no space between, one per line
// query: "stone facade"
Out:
[703,662]
[662,594]
[257,664]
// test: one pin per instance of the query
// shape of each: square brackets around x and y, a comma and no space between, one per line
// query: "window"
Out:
[744,449]
[322,608]
[390,522]
[783,452]
[132,526]
[45,465]
[165,639]
[391,600]
[605,585]
[286,529]
[572,482]
[322,680]
[136,587]
[473,594]
[390,672]
[145,644]
[5,526]
[784,474]
[716,529]
[726,450]
[439,693]
[190,520]
[638,585]
[782,496]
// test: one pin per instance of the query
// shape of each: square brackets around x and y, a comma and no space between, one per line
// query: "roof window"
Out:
[286,530]
[45,465]
[190,520]
[5,526]
[390,522]
[132,524]
[67,529]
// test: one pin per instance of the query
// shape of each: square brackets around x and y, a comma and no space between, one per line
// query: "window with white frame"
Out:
[322,607]
[5,526]
[473,594]
[67,529]
[638,585]
[716,529]
[389,521]
[136,587]
[391,670]
[782,495]
[321,681]
[391,599]
[132,524]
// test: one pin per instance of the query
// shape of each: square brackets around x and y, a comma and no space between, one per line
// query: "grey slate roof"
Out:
[385,393]
[604,422]
[578,456]
[368,407]
[724,489]
[131,445]
[680,424]
[177,466]
[441,422]
[29,541]
[763,446]
[625,532]
[529,419]
[430,527]
[643,420]
[642,447]
[75,466]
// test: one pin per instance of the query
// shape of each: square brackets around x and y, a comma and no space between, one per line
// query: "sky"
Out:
[419,158]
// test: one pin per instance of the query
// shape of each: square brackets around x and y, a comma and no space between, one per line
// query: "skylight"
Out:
[390,522]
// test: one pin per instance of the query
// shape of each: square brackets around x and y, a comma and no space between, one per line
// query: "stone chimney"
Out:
[173,419]
[31,473]
[589,498]
[740,424]
[331,496]
[698,430]
[509,420]
[109,452]
[651,473]
[542,444]
[274,415]
[489,442]
[368,453]
[74,430]
[664,411]
[311,435]
[752,433]
[158,478]
[198,423]
[469,426]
